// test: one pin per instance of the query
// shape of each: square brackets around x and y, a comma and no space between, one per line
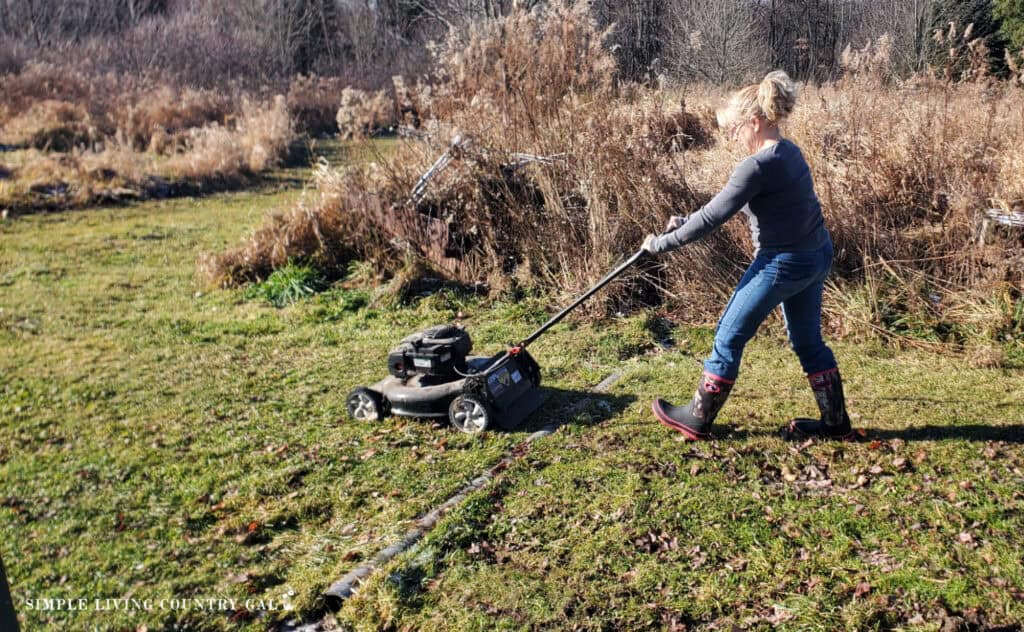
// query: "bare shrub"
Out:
[50,124]
[362,113]
[201,44]
[160,118]
[13,55]
[313,102]
[259,140]
[715,41]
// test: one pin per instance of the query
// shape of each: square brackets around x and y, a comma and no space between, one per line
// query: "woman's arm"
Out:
[744,183]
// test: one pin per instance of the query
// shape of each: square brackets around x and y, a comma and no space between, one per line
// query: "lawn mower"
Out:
[431,374]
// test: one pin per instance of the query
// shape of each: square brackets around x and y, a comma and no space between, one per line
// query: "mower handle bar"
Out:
[640,254]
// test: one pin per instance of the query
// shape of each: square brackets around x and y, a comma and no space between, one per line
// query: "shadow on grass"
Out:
[972,432]
[1012,433]
[567,407]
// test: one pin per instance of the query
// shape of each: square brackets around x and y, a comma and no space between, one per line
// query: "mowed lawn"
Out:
[165,443]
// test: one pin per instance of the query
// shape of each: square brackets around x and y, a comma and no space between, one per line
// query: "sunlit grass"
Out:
[163,441]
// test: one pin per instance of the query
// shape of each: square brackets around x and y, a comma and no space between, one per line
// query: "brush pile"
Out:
[548,172]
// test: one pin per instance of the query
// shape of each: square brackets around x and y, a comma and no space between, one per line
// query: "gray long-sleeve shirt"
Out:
[774,189]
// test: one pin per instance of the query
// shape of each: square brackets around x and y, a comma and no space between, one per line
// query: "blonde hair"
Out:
[773,100]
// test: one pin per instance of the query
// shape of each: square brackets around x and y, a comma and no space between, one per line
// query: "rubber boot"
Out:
[834,422]
[694,419]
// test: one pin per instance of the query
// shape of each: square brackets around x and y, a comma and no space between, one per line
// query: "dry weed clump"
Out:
[362,113]
[80,177]
[317,230]
[412,103]
[38,81]
[159,119]
[50,124]
[313,102]
[258,140]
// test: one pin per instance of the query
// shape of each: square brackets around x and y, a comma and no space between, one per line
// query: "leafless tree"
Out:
[46,22]
[635,36]
[714,40]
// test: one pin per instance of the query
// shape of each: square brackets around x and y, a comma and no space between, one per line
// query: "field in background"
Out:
[73,139]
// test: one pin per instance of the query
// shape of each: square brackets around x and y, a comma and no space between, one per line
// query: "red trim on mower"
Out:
[665,420]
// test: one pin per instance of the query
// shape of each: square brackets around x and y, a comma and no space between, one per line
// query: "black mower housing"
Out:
[510,386]
[438,351]
[507,384]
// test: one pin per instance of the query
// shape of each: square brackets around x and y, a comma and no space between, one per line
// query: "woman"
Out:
[793,255]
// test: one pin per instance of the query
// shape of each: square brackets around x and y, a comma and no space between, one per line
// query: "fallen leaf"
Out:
[240,578]
[788,474]
[778,615]
[862,589]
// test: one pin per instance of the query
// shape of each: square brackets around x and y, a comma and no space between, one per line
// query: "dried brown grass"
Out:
[160,119]
[257,141]
[51,124]
[211,157]
[108,137]
[313,102]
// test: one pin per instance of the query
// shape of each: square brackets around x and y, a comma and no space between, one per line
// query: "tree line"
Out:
[720,41]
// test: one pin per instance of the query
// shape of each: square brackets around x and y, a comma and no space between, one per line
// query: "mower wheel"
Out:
[469,414]
[365,405]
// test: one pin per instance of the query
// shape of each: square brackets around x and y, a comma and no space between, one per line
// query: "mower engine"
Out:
[438,351]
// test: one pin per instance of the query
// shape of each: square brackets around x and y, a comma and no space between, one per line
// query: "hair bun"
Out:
[776,95]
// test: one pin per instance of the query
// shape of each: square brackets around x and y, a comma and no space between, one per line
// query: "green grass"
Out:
[158,441]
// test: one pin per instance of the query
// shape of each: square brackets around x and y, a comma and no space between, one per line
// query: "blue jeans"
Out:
[793,279]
